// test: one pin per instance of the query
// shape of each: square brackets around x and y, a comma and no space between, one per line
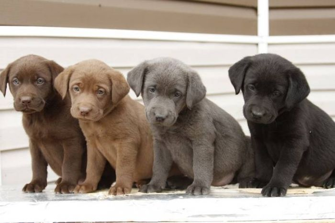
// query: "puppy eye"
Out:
[40,81]
[100,91]
[15,81]
[152,90]
[76,88]
[177,94]
[251,87]
[275,94]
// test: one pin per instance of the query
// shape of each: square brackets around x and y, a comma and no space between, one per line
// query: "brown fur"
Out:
[114,125]
[54,135]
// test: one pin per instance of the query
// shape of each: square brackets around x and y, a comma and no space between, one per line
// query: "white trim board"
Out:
[30,31]
[27,31]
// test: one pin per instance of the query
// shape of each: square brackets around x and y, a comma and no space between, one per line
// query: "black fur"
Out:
[293,139]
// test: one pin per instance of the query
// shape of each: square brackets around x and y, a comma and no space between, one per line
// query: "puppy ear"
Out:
[237,73]
[298,88]
[54,68]
[196,90]
[136,76]
[120,87]
[62,80]
[4,79]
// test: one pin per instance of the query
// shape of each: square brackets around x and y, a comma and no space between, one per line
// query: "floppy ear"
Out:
[237,73]
[196,90]
[54,68]
[4,79]
[120,87]
[298,88]
[62,81]
[136,76]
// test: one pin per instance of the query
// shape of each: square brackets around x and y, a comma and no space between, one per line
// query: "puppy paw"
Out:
[64,188]
[273,191]
[84,188]
[150,188]
[246,183]
[329,183]
[140,183]
[255,183]
[119,190]
[34,187]
[197,190]
[178,182]
[58,180]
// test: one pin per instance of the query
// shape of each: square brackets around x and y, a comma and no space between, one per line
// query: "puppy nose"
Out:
[257,113]
[25,100]
[160,118]
[84,110]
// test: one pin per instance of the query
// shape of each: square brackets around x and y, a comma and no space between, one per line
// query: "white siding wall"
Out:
[211,60]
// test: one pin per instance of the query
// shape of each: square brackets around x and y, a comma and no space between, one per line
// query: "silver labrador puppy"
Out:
[206,143]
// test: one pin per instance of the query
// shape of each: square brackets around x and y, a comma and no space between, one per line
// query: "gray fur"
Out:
[206,143]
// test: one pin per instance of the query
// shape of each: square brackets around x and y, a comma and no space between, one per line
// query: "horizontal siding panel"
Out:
[217,81]
[16,168]
[121,53]
[320,77]
[14,136]
[312,53]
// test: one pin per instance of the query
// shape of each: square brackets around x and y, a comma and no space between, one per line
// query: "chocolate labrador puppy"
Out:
[206,143]
[114,125]
[55,138]
[293,139]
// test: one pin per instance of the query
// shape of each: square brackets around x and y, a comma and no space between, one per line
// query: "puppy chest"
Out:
[181,152]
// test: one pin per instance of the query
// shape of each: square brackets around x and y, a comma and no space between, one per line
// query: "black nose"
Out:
[160,118]
[26,100]
[257,113]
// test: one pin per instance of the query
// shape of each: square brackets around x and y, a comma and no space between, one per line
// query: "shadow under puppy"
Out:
[206,143]
[293,139]
[55,137]
[114,125]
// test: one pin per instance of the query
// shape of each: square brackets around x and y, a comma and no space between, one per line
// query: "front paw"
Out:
[119,190]
[256,183]
[84,188]
[246,183]
[197,189]
[178,182]
[34,187]
[274,191]
[329,183]
[64,188]
[151,188]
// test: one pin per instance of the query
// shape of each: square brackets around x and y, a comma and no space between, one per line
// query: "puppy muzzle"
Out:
[86,112]
[259,114]
[29,104]
[161,117]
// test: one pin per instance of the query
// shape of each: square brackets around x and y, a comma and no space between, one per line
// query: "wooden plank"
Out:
[13,136]
[121,53]
[222,205]
[304,54]
[217,81]
[301,4]
[177,16]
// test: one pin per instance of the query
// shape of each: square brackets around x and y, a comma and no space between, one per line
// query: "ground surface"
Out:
[233,205]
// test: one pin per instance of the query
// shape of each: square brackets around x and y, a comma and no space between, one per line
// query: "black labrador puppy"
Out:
[293,139]
[206,143]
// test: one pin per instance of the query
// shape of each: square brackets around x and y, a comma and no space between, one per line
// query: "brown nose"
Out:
[84,110]
[25,100]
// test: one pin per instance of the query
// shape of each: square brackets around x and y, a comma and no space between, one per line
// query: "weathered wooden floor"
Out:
[223,205]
